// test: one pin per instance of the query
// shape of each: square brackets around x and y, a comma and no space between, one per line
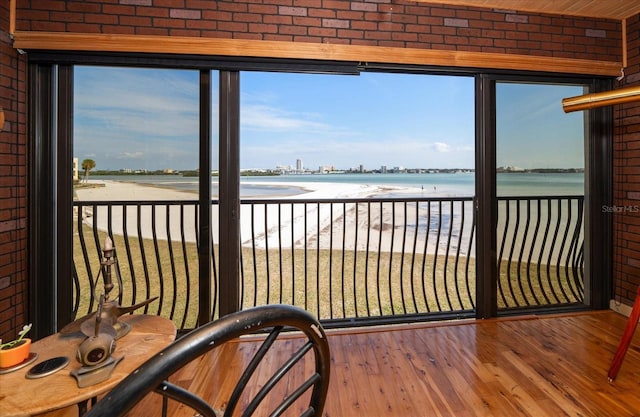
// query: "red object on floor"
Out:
[629,330]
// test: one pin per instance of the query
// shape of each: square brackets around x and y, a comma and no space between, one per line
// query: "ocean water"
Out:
[427,184]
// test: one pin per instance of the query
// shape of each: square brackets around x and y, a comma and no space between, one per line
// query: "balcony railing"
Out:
[540,251]
[347,261]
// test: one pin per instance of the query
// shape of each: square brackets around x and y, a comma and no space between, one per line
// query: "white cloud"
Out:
[262,117]
[130,155]
[137,102]
[440,147]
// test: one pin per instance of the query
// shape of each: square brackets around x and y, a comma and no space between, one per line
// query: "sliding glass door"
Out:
[358,194]
[379,197]
[136,180]
[540,187]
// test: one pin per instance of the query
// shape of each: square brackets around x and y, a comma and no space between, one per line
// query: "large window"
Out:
[137,162]
[394,155]
[540,183]
[362,198]
[313,123]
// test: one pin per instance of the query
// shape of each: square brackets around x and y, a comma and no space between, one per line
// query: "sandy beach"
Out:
[340,226]
[432,227]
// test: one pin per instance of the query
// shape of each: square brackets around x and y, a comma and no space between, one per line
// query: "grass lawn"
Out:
[328,283]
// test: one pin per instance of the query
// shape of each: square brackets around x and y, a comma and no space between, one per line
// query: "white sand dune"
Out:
[318,225]
[307,221]
[266,225]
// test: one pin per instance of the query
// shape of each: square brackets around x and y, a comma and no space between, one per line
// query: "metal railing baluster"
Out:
[372,278]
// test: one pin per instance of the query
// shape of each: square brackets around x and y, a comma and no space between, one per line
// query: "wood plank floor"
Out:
[534,366]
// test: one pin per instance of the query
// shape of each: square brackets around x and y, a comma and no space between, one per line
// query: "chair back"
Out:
[155,373]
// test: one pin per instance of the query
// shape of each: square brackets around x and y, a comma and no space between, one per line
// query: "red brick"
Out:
[48,5]
[184,14]
[282,38]
[351,16]
[293,11]
[184,32]
[232,26]
[169,23]
[364,25]
[307,39]
[137,2]
[335,23]
[118,9]
[278,20]
[377,35]
[204,5]
[307,21]
[262,28]
[292,30]
[262,9]
[418,29]
[306,3]
[363,6]
[151,31]
[431,39]
[101,19]
[336,4]
[135,21]
[322,13]
[405,37]
[350,34]
[48,26]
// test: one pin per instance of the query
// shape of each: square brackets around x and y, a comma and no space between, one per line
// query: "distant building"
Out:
[283,168]
[325,169]
[509,168]
[299,165]
[75,169]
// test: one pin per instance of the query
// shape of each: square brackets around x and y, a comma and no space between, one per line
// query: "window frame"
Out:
[51,143]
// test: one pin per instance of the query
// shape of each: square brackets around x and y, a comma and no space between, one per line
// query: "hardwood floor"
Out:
[533,366]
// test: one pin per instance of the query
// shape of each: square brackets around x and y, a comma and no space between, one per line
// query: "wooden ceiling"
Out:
[609,9]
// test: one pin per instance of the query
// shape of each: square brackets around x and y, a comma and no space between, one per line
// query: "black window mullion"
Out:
[598,194]
[229,193]
[41,191]
[205,218]
[64,246]
[485,199]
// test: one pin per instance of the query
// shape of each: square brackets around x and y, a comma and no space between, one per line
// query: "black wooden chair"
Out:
[154,374]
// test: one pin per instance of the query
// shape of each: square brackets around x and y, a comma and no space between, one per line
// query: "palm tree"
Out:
[87,165]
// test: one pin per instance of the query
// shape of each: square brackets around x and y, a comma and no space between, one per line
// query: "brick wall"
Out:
[627,178]
[13,180]
[397,23]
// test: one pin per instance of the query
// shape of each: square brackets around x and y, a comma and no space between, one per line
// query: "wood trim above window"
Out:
[89,42]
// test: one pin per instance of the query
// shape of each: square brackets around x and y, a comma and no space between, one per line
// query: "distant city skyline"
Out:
[128,118]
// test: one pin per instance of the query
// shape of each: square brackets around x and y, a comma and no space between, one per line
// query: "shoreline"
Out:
[114,190]
[262,225]
[318,223]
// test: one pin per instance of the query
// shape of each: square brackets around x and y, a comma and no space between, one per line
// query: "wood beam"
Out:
[64,41]
[12,17]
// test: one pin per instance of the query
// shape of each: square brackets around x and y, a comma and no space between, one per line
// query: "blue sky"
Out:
[148,119]
[532,130]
